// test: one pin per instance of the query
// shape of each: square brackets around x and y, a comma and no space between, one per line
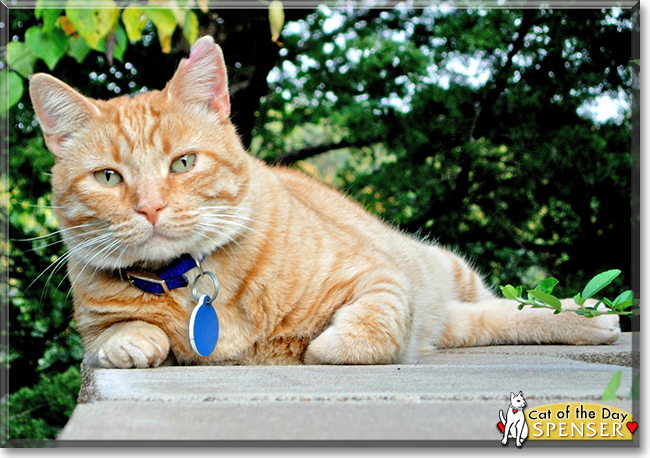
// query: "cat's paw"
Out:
[602,329]
[605,329]
[134,344]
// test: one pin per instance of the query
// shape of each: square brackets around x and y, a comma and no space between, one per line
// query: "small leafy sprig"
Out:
[542,297]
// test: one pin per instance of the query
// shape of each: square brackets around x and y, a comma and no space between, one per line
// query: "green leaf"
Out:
[43,7]
[121,43]
[599,282]
[509,291]
[547,285]
[623,297]
[11,90]
[546,298]
[50,16]
[624,304]
[276,19]
[49,47]
[191,27]
[578,299]
[610,390]
[165,23]
[134,21]
[78,48]
[93,24]
[637,61]
[635,391]
[20,58]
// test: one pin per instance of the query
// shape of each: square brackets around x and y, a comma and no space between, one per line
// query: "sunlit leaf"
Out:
[66,25]
[276,19]
[93,24]
[11,90]
[174,6]
[546,298]
[50,18]
[20,58]
[191,27]
[509,291]
[578,299]
[547,285]
[165,23]
[599,282]
[134,21]
[610,390]
[203,4]
[49,47]
[623,297]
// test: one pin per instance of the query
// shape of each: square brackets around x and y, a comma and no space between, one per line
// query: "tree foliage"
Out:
[468,126]
[477,139]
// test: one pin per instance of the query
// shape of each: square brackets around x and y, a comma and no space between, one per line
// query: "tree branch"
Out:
[310,151]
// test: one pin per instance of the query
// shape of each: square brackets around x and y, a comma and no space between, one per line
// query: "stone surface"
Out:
[453,395]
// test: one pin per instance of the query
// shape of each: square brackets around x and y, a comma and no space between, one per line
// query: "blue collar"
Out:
[163,280]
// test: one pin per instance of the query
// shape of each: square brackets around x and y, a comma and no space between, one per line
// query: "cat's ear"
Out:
[202,78]
[60,110]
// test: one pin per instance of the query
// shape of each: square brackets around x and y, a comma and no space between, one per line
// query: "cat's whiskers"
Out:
[116,245]
[108,248]
[233,215]
[225,246]
[220,227]
[60,262]
[220,219]
[60,231]
[44,206]
[229,238]
[69,238]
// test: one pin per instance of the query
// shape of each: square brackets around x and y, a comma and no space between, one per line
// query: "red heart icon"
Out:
[502,427]
[631,425]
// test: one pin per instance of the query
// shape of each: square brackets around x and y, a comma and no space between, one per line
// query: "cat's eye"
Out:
[108,177]
[183,163]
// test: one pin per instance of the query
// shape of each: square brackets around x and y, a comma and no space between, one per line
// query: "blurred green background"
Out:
[503,133]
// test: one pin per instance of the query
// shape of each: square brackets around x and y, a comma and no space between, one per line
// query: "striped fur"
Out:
[306,275]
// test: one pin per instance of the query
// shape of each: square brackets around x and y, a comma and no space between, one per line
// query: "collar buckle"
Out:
[149,277]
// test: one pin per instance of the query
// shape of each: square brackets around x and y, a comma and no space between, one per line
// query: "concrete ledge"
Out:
[398,402]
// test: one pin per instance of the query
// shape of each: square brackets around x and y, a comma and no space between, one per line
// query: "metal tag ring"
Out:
[216,285]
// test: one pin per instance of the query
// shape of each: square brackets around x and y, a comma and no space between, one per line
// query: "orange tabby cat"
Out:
[306,275]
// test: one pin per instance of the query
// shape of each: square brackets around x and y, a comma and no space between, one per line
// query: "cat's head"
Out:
[143,179]
[517,400]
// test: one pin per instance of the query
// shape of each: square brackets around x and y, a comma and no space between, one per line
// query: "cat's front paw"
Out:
[133,344]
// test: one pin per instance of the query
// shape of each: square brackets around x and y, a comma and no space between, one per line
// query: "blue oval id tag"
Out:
[204,327]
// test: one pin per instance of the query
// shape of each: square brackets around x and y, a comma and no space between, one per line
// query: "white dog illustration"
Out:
[515,422]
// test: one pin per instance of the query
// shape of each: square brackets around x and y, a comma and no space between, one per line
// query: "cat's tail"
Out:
[503,420]
[499,321]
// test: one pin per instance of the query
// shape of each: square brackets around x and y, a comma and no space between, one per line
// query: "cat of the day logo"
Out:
[564,421]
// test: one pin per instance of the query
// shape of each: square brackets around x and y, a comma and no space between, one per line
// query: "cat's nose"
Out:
[151,211]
